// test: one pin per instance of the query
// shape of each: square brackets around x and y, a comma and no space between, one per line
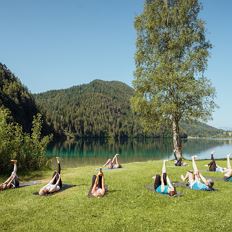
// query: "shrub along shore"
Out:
[128,206]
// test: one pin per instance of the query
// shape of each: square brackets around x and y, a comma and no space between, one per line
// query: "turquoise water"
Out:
[96,152]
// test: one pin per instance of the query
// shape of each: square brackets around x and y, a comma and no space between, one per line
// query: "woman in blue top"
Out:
[162,184]
[196,180]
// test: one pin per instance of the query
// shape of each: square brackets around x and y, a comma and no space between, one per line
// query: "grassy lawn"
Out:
[128,206]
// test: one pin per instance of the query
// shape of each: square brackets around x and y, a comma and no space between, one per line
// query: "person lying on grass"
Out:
[195,179]
[113,163]
[228,171]
[55,184]
[98,188]
[162,184]
[178,162]
[213,167]
[12,181]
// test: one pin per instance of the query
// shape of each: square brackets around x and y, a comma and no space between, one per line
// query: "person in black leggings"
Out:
[55,174]
[98,185]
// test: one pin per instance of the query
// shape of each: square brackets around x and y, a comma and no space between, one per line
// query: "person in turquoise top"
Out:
[162,184]
[196,180]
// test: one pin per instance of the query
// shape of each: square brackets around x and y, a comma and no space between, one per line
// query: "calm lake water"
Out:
[96,152]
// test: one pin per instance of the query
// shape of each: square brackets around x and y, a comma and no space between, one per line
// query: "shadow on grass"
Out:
[114,190]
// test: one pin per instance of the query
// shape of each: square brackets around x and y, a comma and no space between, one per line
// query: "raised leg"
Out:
[164,174]
[195,169]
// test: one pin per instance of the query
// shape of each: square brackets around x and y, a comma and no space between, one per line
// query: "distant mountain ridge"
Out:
[101,109]
[98,109]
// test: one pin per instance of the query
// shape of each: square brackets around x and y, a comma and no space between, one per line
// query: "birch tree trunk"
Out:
[176,139]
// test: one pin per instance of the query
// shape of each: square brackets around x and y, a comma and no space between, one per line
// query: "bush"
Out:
[28,149]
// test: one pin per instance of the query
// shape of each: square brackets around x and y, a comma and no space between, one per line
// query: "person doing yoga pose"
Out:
[178,162]
[113,163]
[195,179]
[213,167]
[55,184]
[228,171]
[98,188]
[162,184]
[12,181]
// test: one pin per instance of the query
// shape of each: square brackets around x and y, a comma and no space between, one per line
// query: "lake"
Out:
[96,152]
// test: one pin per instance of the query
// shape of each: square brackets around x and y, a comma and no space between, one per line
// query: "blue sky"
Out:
[53,44]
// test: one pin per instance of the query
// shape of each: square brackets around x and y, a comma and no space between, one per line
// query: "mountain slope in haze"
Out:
[16,97]
[100,109]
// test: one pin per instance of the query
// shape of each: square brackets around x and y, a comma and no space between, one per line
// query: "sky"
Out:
[55,44]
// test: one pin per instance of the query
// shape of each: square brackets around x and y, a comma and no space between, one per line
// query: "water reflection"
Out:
[95,152]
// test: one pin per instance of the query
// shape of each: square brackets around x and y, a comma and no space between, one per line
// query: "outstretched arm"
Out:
[9,180]
[169,183]
[107,162]
[228,162]
[13,174]
[57,182]
[54,177]
[115,159]
[103,183]
[203,179]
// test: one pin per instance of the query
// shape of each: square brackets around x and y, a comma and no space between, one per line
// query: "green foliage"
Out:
[28,149]
[171,58]
[16,97]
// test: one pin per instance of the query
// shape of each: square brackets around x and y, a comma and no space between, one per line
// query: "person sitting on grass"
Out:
[12,181]
[98,187]
[213,167]
[55,184]
[162,184]
[113,163]
[178,162]
[228,171]
[195,179]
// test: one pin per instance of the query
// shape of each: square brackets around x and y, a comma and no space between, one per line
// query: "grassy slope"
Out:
[128,206]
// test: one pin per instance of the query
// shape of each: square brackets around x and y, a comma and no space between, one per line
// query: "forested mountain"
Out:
[198,129]
[16,97]
[100,109]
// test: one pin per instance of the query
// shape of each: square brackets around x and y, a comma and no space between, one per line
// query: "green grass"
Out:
[128,206]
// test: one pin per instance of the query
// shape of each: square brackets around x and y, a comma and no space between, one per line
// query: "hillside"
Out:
[100,109]
[16,97]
